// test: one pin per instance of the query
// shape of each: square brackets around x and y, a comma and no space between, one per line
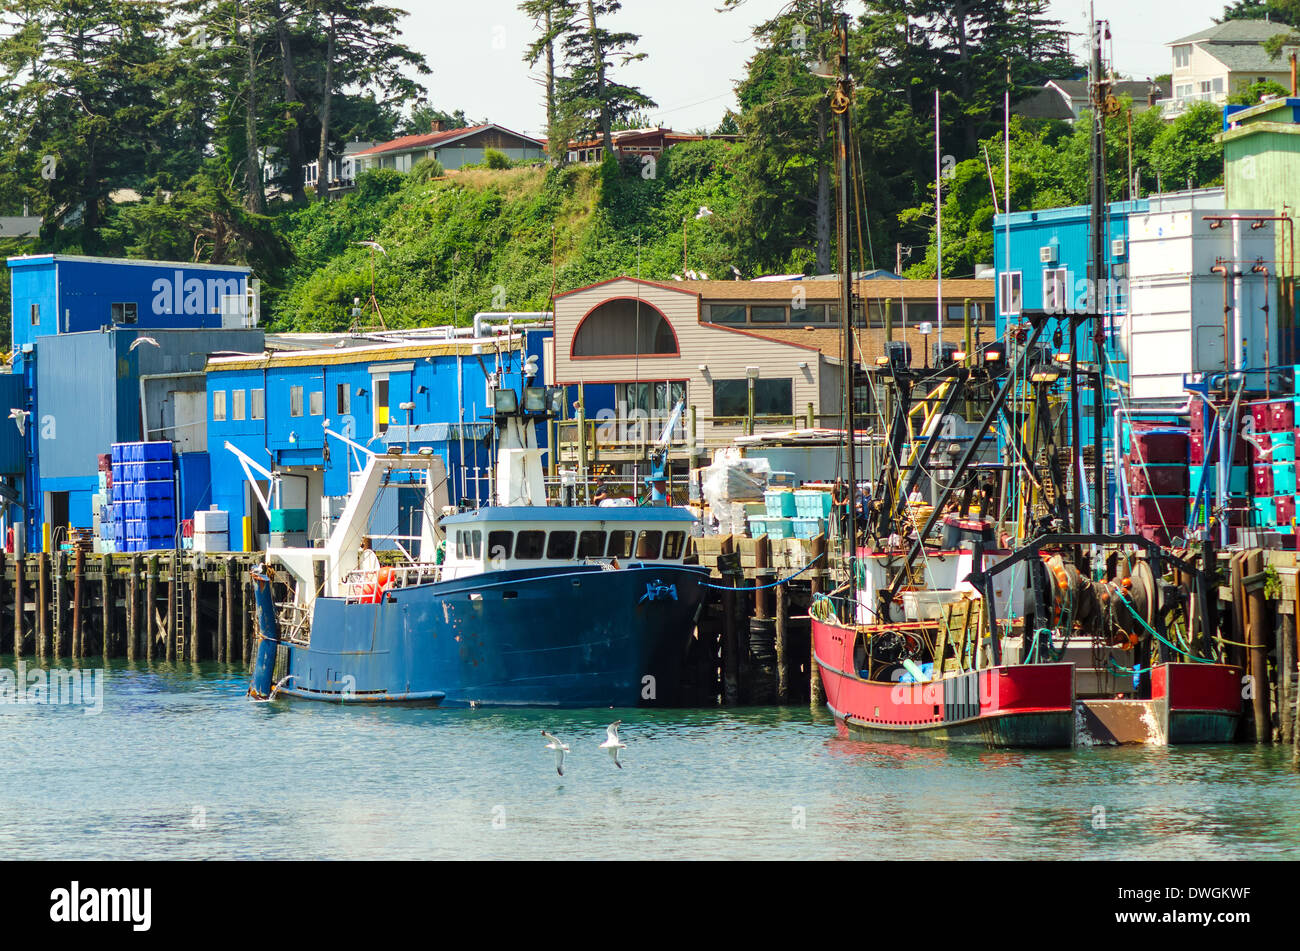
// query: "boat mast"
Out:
[1100,94]
[841,100]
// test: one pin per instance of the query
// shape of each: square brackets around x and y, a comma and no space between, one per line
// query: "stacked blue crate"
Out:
[144,517]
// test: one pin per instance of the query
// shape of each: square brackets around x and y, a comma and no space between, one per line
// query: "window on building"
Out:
[1056,290]
[295,401]
[647,546]
[591,544]
[1182,57]
[1010,293]
[620,544]
[218,405]
[237,398]
[124,313]
[257,404]
[727,313]
[772,397]
[1216,85]
[316,404]
[343,399]
[811,314]
[767,315]
[530,545]
[500,544]
[624,327]
[560,545]
[36,314]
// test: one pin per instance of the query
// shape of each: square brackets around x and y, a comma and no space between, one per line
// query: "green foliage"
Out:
[455,244]
[427,169]
[495,159]
[1256,92]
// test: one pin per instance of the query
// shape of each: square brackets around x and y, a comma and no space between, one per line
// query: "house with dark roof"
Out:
[1213,64]
[634,143]
[453,148]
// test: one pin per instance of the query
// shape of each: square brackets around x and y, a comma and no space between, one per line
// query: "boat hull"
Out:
[1197,703]
[574,637]
[1023,705]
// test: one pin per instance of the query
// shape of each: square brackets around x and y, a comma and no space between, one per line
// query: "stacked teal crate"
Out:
[144,495]
[776,523]
[1274,476]
[812,509]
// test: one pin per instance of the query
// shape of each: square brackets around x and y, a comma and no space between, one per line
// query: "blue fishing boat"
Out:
[533,605]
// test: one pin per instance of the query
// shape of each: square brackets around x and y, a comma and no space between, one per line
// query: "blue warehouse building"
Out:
[429,390]
[106,351]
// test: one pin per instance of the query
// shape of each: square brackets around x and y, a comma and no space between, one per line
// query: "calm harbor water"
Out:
[180,765]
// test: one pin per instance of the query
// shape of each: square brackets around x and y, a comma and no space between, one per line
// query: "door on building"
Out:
[261,525]
[56,516]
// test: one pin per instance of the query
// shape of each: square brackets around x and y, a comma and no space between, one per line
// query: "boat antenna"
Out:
[841,101]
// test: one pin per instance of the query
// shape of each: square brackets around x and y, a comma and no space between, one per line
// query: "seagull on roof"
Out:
[559,748]
[139,340]
[612,743]
[19,416]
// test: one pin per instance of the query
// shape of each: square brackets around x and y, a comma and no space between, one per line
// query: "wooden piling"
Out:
[151,607]
[245,626]
[1257,639]
[782,658]
[133,608]
[78,574]
[58,596]
[1286,671]
[106,606]
[42,602]
[730,645]
[18,608]
[228,655]
[193,643]
[762,566]
[169,628]
[816,691]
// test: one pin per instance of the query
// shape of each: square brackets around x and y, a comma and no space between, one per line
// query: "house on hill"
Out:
[1211,65]
[453,148]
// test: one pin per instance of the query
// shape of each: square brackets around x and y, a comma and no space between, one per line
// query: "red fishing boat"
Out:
[1012,705]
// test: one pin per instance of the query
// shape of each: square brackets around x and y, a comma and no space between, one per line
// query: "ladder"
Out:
[178,619]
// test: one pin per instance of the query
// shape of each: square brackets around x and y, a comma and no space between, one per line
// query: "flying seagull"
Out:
[19,416]
[611,742]
[560,750]
[139,340]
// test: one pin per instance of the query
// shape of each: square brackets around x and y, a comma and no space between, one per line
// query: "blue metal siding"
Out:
[434,420]
[77,295]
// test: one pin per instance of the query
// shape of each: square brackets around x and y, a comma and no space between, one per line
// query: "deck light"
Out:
[535,399]
[505,402]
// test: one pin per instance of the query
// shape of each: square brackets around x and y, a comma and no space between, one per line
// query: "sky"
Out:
[696,54]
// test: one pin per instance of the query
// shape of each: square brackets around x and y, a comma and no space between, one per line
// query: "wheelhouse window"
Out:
[560,546]
[647,546]
[623,328]
[529,546]
[469,544]
[673,545]
[500,545]
[591,544]
[620,544]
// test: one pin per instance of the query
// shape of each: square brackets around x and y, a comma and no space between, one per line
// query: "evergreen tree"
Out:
[589,94]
